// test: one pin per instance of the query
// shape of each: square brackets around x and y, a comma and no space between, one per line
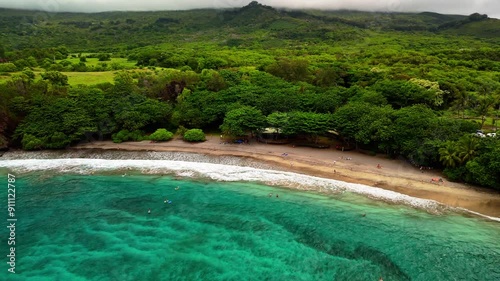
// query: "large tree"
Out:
[279,121]
[412,127]
[346,120]
[243,120]
[308,123]
[55,78]
[290,70]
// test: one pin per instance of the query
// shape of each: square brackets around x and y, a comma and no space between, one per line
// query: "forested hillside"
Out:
[416,86]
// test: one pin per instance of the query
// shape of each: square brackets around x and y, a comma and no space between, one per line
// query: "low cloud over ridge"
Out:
[464,7]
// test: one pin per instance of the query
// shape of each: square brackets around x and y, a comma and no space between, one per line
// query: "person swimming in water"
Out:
[177,188]
[149,211]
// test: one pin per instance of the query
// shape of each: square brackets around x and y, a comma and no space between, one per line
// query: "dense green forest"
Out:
[416,86]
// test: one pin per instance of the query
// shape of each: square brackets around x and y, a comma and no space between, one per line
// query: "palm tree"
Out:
[448,155]
[462,99]
[467,148]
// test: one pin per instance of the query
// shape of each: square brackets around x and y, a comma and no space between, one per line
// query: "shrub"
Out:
[181,131]
[104,57]
[194,135]
[58,140]
[56,67]
[186,68]
[20,64]
[136,135]
[125,135]
[65,63]
[455,174]
[116,66]
[121,136]
[161,135]
[8,67]
[79,67]
[31,142]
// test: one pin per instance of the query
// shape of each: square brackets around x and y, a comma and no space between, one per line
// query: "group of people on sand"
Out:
[437,180]
[165,201]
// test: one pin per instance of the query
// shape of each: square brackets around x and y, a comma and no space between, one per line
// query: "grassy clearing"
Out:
[95,61]
[489,120]
[76,78]
[90,78]
[490,124]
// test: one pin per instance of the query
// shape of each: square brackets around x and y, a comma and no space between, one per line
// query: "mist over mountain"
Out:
[463,7]
[31,29]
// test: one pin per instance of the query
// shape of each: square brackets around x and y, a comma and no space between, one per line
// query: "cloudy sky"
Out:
[465,7]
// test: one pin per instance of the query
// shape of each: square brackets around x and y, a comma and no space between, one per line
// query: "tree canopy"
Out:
[412,86]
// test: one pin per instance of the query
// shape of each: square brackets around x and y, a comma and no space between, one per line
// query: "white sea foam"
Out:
[217,172]
[479,214]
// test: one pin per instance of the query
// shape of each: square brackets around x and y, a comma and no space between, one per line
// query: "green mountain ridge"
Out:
[28,29]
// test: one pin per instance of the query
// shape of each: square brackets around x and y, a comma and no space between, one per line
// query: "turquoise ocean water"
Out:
[97,227]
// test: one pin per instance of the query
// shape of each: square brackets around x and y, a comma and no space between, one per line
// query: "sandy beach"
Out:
[392,175]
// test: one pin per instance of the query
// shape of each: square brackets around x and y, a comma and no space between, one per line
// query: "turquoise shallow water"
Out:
[97,227]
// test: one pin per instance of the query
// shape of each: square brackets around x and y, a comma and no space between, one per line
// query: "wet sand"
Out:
[393,175]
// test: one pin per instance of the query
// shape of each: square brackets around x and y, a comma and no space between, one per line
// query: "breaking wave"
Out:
[229,169]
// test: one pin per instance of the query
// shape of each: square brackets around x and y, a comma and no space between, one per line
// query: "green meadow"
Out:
[74,78]
[90,78]
[123,62]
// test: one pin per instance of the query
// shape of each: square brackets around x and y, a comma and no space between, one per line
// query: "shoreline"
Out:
[394,175]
